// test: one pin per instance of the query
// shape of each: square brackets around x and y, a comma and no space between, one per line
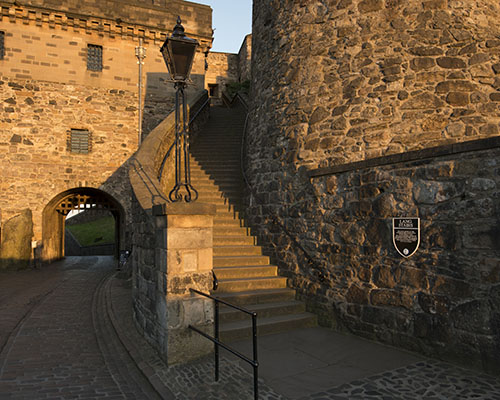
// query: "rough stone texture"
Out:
[157,291]
[16,241]
[222,69]
[430,380]
[245,58]
[47,90]
[398,76]
[42,117]
[347,80]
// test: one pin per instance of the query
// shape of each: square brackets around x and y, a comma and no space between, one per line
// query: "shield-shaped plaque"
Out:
[406,235]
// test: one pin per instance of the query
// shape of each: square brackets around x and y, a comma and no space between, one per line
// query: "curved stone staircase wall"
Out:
[148,190]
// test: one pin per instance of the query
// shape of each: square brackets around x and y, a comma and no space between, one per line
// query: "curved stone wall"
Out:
[410,91]
[345,80]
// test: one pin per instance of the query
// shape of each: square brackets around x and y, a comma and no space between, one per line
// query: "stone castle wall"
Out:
[349,80]
[35,162]
[47,90]
[222,69]
[245,58]
[340,81]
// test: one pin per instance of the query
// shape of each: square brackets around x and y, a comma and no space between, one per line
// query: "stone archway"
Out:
[55,212]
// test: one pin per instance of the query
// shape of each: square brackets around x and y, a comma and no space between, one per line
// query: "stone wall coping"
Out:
[99,23]
[143,170]
[416,155]
[184,209]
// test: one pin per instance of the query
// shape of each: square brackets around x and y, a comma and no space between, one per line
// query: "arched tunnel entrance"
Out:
[80,199]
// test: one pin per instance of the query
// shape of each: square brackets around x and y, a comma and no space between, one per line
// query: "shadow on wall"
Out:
[159,98]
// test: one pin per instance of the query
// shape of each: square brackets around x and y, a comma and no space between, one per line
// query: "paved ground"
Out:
[66,332]
[53,350]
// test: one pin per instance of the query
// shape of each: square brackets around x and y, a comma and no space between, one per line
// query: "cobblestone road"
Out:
[66,332]
[52,344]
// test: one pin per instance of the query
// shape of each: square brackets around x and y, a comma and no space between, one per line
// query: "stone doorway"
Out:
[55,212]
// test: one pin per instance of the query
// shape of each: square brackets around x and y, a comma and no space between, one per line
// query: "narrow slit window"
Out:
[2,45]
[79,141]
[94,57]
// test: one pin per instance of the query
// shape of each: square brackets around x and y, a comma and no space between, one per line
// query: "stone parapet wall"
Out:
[443,301]
[150,185]
[130,18]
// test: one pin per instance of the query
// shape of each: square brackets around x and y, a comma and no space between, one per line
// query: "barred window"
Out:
[94,57]
[79,141]
[2,45]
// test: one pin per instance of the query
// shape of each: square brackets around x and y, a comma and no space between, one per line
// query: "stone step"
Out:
[228,240]
[214,189]
[224,220]
[247,284]
[232,331]
[220,208]
[229,230]
[220,168]
[266,310]
[242,250]
[241,260]
[214,157]
[241,272]
[247,298]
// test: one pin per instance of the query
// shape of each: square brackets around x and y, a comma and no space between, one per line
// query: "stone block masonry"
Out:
[172,249]
[444,300]
[47,89]
[336,82]
[36,163]
[348,80]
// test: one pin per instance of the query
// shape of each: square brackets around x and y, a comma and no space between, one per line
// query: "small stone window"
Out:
[2,45]
[94,57]
[79,141]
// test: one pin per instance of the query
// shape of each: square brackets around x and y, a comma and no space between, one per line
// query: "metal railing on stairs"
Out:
[216,340]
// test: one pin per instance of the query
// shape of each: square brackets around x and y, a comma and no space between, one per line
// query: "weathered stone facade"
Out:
[245,58]
[340,81]
[47,90]
[160,290]
[222,69]
[349,80]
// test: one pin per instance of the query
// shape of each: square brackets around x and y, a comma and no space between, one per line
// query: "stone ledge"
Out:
[416,155]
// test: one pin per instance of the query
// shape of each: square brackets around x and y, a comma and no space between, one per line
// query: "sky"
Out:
[232,21]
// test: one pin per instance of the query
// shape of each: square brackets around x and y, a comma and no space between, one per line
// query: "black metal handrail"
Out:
[253,194]
[254,363]
[191,120]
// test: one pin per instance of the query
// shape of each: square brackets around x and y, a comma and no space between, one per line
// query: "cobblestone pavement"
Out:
[429,380]
[66,332]
[184,382]
[432,380]
[54,350]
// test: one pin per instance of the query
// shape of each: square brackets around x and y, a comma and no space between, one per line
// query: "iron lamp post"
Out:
[178,52]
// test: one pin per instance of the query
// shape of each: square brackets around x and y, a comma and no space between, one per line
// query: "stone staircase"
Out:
[245,275]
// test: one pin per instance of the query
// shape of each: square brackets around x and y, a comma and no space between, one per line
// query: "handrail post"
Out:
[216,342]
[255,359]
[254,363]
